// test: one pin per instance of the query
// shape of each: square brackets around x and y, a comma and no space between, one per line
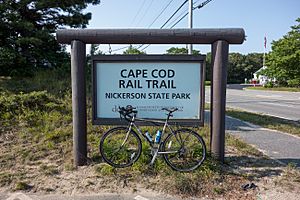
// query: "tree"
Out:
[239,66]
[283,62]
[27,42]
[133,50]
[95,50]
[254,62]
[177,50]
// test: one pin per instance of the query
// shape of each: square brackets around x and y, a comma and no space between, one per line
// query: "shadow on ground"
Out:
[254,167]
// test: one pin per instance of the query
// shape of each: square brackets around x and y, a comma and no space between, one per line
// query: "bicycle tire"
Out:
[192,147]
[110,147]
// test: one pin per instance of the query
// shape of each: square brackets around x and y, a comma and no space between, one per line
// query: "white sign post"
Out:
[148,84]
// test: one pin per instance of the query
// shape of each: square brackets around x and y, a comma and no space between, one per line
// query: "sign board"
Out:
[149,83]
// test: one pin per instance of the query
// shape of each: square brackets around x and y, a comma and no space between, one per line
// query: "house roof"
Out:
[263,67]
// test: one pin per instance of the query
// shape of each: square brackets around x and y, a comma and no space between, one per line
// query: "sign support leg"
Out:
[218,101]
[78,58]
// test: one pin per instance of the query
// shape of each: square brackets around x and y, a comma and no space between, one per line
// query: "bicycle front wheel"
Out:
[185,150]
[120,147]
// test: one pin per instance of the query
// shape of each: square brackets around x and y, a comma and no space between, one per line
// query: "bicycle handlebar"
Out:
[170,110]
[127,112]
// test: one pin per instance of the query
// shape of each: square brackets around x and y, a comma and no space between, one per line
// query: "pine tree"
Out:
[27,40]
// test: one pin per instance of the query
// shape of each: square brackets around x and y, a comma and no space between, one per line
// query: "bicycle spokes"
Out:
[120,147]
[186,150]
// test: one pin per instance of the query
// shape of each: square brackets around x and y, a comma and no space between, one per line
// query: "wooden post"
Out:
[218,101]
[78,59]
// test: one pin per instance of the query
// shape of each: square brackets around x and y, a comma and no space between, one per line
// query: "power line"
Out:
[145,13]
[167,21]
[183,13]
[162,11]
[179,20]
[199,6]
[145,47]
[174,13]
[160,27]
[142,5]
[110,50]
[182,17]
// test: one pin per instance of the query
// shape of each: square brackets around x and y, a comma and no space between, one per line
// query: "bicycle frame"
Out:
[154,149]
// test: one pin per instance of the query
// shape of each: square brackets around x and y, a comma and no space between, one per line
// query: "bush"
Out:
[269,84]
[294,82]
[19,104]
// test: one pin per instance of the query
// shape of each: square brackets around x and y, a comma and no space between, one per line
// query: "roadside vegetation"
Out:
[287,89]
[36,149]
[283,62]
[266,121]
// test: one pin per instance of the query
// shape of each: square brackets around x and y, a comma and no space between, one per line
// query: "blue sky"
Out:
[272,18]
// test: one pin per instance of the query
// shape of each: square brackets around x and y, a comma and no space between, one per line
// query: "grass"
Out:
[287,89]
[49,170]
[5,178]
[290,178]
[22,186]
[266,121]
[36,141]
[242,147]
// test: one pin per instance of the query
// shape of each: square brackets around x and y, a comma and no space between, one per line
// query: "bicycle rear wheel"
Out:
[188,150]
[120,147]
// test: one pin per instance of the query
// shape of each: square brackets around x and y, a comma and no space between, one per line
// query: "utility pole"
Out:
[190,51]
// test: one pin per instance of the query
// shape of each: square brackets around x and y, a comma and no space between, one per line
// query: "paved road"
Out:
[281,104]
[277,145]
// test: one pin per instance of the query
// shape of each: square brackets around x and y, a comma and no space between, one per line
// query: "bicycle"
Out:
[183,150]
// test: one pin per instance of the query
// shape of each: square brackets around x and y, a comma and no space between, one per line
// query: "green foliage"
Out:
[133,50]
[55,81]
[177,50]
[17,105]
[49,170]
[22,186]
[239,66]
[287,89]
[283,62]
[243,66]
[105,169]
[95,50]
[27,42]
[269,85]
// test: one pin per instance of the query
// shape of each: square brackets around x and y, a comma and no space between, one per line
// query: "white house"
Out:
[262,79]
